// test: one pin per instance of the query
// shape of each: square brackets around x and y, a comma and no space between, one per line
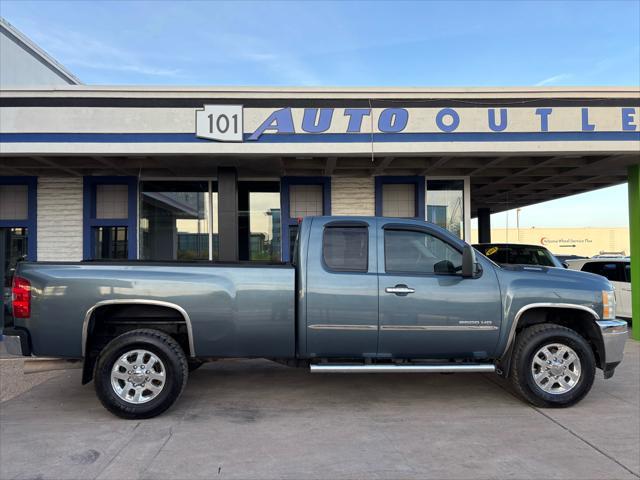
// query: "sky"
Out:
[422,43]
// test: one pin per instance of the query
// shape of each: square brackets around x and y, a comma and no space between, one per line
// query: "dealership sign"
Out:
[233,123]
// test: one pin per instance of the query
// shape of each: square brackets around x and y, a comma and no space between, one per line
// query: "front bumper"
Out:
[614,336]
[16,342]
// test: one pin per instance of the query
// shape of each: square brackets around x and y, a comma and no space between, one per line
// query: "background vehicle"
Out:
[363,295]
[517,254]
[565,258]
[618,271]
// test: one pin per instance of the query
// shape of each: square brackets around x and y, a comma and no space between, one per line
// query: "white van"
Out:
[617,270]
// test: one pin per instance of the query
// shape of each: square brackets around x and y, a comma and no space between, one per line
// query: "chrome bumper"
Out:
[13,344]
[614,336]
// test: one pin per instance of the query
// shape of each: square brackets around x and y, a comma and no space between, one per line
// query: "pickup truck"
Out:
[362,295]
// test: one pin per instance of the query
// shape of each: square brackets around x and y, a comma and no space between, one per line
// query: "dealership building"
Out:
[226,174]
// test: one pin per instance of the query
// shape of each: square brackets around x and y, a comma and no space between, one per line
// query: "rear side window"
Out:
[610,270]
[346,249]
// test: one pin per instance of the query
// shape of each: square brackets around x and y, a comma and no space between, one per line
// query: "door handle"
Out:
[400,290]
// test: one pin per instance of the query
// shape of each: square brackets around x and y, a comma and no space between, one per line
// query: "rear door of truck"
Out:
[342,288]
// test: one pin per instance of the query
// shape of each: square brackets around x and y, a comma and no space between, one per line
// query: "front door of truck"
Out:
[427,309]
[342,286]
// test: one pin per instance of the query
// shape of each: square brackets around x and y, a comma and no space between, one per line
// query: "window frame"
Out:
[31,222]
[90,222]
[345,224]
[420,190]
[419,229]
[285,215]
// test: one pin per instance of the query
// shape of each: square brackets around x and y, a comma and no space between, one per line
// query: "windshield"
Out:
[520,255]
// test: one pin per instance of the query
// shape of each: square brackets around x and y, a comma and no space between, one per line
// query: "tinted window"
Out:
[407,251]
[627,272]
[609,270]
[520,255]
[345,249]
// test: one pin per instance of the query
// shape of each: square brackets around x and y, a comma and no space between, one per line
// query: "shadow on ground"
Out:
[256,419]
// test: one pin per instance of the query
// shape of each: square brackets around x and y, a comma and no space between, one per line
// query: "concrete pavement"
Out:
[255,419]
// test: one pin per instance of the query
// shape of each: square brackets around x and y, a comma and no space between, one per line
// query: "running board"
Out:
[403,368]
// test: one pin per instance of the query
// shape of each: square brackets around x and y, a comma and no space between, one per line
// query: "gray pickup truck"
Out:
[362,295]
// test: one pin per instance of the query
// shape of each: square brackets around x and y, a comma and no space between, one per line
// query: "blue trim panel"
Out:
[286,220]
[416,180]
[324,137]
[89,214]
[31,223]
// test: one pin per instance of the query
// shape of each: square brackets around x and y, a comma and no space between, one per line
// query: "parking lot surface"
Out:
[256,419]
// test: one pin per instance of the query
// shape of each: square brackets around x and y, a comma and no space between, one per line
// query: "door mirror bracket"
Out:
[469,262]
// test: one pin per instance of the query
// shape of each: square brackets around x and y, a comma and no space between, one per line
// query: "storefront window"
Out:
[111,243]
[399,200]
[15,246]
[14,202]
[175,220]
[259,221]
[445,205]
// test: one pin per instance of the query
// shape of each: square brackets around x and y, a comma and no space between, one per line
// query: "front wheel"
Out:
[140,374]
[553,366]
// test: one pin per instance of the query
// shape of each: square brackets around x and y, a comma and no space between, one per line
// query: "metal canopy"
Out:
[497,183]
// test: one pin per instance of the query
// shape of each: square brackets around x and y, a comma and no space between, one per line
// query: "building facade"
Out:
[97,173]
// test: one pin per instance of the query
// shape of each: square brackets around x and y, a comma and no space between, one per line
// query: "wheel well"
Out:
[578,320]
[109,321]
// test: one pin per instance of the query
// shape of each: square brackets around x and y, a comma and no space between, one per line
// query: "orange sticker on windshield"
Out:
[491,251]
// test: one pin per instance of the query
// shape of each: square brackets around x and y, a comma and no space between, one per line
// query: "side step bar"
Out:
[391,368]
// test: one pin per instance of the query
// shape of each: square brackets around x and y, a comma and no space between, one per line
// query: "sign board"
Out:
[233,123]
[220,122]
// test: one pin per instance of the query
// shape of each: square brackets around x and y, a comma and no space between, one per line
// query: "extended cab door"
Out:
[427,309]
[342,289]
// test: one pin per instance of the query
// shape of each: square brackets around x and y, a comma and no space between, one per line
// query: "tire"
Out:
[194,364]
[132,392]
[561,383]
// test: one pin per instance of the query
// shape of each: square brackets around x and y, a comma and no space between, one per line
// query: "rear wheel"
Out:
[140,374]
[553,366]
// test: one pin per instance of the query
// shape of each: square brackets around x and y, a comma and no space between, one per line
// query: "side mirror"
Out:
[565,264]
[469,263]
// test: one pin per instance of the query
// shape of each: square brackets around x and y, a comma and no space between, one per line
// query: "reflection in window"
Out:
[174,221]
[111,243]
[259,221]
[445,205]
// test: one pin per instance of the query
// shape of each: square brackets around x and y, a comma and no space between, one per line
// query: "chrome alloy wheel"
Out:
[138,376]
[556,368]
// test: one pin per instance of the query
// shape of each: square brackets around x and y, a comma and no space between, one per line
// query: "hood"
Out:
[597,282]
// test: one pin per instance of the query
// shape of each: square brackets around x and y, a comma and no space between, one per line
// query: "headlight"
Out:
[608,305]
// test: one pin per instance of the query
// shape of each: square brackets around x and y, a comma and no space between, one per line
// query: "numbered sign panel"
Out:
[220,122]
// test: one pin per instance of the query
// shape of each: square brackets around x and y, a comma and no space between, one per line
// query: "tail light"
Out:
[21,297]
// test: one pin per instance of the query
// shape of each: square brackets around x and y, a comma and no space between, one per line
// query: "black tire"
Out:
[528,343]
[164,348]
[194,364]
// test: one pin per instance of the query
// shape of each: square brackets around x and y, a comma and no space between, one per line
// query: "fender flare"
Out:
[505,358]
[137,301]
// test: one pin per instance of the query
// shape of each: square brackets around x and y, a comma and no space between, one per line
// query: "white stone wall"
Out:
[353,196]
[60,219]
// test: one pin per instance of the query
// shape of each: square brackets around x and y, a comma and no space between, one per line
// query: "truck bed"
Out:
[233,309]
